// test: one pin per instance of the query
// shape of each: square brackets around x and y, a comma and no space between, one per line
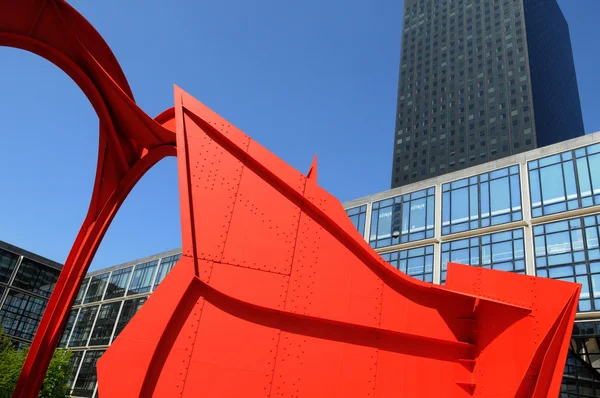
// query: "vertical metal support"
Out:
[158,263]
[86,290]
[437,228]
[368,221]
[94,394]
[106,286]
[526,211]
[10,281]
[78,369]
[130,280]
[87,343]
[72,328]
[112,335]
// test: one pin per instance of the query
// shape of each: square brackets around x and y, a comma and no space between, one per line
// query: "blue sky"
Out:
[300,77]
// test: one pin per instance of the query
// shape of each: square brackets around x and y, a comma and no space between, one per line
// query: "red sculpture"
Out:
[276,293]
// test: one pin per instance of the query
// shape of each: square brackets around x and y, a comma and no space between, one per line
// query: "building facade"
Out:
[26,282]
[534,213]
[105,303]
[481,80]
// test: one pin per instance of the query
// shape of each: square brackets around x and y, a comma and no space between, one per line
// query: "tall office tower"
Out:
[480,80]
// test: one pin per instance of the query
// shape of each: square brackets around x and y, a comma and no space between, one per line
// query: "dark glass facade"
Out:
[480,80]
[26,282]
[582,370]
[106,302]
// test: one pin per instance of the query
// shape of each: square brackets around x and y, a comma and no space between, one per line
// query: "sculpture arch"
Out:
[130,143]
[275,287]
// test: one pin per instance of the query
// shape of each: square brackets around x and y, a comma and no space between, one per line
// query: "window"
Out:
[417,262]
[86,379]
[81,292]
[68,327]
[566,181]
[8,261]
[75,360]
[96,289]
[141,282]
[130,308]
[569,250]
[105,323]
[36,278]
[405,218]
[582,370]
[357,216]
[487,199]
[118,283]
[83,326]
[500,251]
[21,314]
[166,265]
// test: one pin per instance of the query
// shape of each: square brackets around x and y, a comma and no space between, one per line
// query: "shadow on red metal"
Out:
[276,294]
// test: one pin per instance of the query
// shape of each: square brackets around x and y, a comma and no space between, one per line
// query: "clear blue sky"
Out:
[300,77]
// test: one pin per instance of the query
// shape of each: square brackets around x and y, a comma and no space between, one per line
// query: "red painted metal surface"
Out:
[276,294]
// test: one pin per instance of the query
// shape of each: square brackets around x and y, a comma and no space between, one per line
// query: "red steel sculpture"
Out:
[276,294]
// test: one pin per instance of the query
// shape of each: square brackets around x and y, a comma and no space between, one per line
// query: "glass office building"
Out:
[480,80]
[26,282]
[534,213]
[106,302]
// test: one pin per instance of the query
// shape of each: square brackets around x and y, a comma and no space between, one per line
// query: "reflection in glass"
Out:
[166,265]
[581,376]
[405,218]
[36,278]
[96,288]
[568,250]
[86,380]
[481,201]
[502,251]
[117,285]
[21,314]
[83,326]
[76,358]
[566,181]
[105,322]
[358,216]
[8,261]
[68,327]
[141,282]
[130,308]
[81,292]
[417,262]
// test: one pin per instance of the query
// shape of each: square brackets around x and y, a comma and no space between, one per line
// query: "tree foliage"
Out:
[56,382]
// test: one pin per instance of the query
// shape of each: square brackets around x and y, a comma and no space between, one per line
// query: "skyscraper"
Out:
[480,80]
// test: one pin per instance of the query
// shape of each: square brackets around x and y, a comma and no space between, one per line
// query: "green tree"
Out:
[56,382]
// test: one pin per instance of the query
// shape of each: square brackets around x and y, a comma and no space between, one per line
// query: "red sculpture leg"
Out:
[278,295]
[130,144]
